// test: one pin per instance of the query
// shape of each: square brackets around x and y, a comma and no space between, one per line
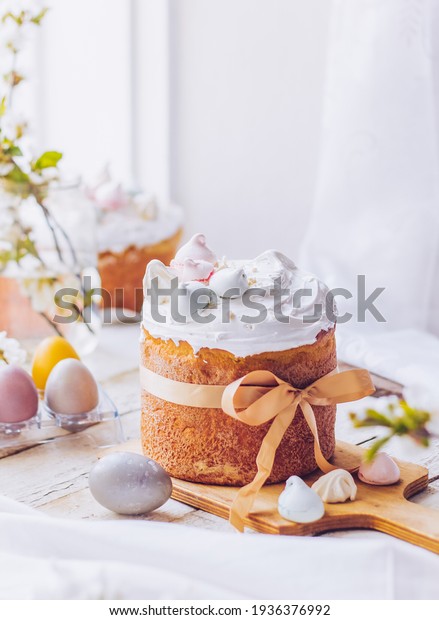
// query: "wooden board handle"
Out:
[409,521]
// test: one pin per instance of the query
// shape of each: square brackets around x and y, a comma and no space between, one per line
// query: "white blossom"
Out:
[11,351]
[10,231]
[41,292]
[13,124]
[13,35]
[16,6]
[5,169]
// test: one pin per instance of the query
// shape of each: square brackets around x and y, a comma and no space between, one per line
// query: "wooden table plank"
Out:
[54,476]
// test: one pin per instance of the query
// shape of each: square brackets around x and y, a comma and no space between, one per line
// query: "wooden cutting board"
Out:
[385,509]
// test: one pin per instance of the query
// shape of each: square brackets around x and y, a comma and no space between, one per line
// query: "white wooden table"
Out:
[53,476]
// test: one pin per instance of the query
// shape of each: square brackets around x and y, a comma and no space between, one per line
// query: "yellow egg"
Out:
[49,352]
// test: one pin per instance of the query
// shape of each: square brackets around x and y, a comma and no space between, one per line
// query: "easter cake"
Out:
[293,339]
[133,229]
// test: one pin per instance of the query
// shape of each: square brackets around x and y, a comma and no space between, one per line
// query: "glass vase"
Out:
[48,265]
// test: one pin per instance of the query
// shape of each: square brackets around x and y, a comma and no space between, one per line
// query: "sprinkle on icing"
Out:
[232,325]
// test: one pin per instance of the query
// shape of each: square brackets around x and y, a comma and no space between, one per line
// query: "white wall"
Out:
[247,80]
[218,99]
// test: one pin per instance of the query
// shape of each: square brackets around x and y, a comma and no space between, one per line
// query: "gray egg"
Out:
[129,484]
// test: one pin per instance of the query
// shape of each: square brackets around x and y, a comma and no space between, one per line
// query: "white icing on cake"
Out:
[227,330]
[118,230]
[129,218]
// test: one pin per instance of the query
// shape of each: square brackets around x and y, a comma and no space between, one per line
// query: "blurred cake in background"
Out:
[133,229]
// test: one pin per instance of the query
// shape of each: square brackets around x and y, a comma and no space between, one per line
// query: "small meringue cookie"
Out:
[156,269]
[190,269]
[145,205]
[185,307]
[228,282]
[381,471]
[336,487]
[299,503]
[111,196]
[102,177]
[195,249]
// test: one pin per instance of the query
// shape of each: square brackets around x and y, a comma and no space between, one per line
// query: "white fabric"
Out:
[377,203]
[44,557]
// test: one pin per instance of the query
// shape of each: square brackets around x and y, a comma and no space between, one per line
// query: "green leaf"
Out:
[49,159]
[375,447]
[13,151]
[3,106]
[10,15]
[378,418]
[40,16]
[17,175]
[371,418]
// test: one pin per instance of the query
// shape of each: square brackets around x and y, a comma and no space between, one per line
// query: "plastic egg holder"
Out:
[61,397]
[12,429]
[44,426]
[105,410]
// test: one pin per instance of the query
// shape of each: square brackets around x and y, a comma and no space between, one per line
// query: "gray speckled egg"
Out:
[129,484]
[71,388]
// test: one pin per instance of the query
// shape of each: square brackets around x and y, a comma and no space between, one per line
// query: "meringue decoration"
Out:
[234,335]
[197,250]
[336,487]
[229,282]
[146,206]
[156,269]
[186,307]
[191,269]
[381,471]
[299,503]
[102,178]
[111,196]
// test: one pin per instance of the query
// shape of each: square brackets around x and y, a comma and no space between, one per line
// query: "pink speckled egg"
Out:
[18,395]
[381,471]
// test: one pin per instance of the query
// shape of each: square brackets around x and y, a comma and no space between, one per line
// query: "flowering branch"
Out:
[29,177]
[10,351]
[400,419]
[18,175]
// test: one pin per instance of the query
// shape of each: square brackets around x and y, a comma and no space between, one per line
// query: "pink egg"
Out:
[381,471]
[195,249]
[18,395]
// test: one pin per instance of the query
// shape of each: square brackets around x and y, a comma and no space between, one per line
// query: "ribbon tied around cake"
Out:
[257,398]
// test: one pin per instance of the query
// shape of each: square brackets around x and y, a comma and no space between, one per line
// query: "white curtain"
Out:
[377,202]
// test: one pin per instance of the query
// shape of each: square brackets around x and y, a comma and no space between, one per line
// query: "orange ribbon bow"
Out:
[255,399]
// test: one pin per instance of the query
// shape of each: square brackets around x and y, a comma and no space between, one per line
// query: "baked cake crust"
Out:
[208,446]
